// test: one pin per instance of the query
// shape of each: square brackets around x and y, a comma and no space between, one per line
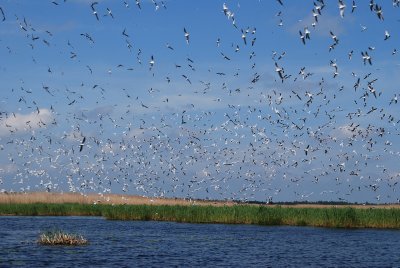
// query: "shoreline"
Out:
[330,217]
[124,207]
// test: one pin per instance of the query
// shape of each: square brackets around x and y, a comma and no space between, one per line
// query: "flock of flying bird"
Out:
[292,138]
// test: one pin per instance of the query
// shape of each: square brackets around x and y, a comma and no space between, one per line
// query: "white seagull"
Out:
[186,35]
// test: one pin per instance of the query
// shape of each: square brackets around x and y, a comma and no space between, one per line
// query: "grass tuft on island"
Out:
[331,216]
[57,237]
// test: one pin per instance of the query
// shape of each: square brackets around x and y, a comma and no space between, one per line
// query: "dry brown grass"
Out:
[57,198]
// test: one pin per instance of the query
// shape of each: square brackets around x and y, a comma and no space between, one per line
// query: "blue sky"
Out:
[196,123]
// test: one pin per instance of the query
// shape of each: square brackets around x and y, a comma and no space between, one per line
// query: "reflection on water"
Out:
[161,244]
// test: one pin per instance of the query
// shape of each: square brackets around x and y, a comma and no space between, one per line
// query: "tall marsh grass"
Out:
[346,217]
[341,217]
[44,209]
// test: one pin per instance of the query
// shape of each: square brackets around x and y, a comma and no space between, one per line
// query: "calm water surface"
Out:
[166,244]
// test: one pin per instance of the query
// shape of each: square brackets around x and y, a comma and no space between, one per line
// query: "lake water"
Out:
[166,244]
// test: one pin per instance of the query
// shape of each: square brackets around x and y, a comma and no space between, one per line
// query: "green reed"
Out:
[44,209]
[340,217]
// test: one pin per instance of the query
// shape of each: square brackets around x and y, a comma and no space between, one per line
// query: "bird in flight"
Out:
[353,7]
[138,4]
[225,9]
[151,62]
[124,33]
[82,144]
[186,33]
[109,12]
[387,35]
[342,6]
[225,57]
[302,37]
[94,10]
[280,71]
[393,100]
[366,57]
[2,13]
[334,37]
[244,37]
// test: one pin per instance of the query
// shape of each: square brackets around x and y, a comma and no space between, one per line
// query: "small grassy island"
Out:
[136,208]
[57,237]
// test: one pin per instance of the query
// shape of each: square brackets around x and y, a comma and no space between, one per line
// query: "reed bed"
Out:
[54,238]
[45,209]
[346,217]
[336,217]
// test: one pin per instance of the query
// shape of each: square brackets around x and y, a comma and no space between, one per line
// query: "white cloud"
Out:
[19,123]
[346,131]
